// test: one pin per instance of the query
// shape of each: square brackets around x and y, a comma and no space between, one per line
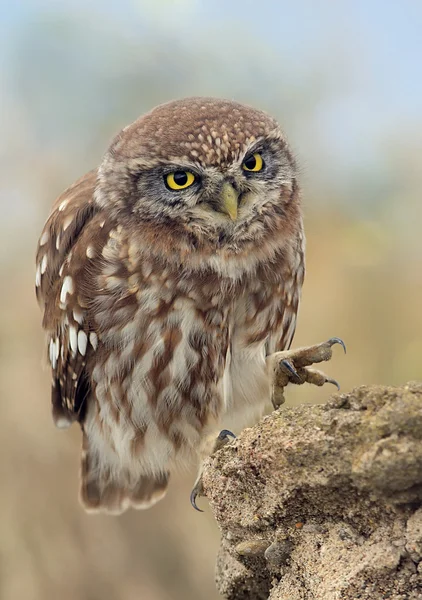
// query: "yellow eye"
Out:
[253,163]
[179,180]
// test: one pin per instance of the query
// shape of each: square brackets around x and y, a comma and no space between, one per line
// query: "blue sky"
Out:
[364,55]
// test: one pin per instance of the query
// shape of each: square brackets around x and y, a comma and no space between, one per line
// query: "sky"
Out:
[343,77]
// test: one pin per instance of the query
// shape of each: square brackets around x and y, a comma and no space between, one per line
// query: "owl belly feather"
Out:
[260,319]
[160,386]
[247,386]
[177,367]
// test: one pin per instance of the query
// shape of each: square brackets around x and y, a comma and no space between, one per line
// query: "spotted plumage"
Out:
[162,305]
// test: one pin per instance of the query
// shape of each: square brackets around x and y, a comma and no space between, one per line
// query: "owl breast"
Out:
[179,354]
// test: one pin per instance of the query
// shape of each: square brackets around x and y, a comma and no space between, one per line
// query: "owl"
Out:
[169,280]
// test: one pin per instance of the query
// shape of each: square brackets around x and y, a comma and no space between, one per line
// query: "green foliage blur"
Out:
[74,74]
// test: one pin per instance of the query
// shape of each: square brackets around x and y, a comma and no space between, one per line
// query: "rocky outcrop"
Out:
[323,502]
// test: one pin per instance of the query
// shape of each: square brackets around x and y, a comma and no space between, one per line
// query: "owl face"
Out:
[210,168]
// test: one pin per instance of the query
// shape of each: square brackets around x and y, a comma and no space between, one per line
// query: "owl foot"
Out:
[292,366]
[198,490]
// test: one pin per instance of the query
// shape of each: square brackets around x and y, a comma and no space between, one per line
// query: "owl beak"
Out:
[228,201]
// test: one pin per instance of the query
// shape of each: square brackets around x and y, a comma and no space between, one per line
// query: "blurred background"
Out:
[344,80]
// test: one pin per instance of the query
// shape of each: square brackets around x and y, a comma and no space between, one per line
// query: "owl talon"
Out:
[290,367]
[336,340]
[333,381]
[193,496]
[226,433]
[221,440]
[293,366]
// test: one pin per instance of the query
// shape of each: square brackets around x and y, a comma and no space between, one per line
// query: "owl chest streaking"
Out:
[167,277]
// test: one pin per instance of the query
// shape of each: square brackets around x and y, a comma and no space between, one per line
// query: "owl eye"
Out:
[179,180]
[253,163]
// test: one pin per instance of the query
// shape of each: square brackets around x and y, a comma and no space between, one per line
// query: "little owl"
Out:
[169,279]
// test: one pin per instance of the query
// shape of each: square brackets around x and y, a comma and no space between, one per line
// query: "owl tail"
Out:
[102,491]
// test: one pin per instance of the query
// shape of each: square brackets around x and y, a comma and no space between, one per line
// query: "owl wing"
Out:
[60,275]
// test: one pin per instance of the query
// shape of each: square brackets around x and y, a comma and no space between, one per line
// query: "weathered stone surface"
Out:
[324,502]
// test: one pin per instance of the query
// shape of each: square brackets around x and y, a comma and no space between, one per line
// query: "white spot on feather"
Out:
[82,342]
[67,288]
[52,350]
[45,237]
[78,316]
[67,222]
[90,252]
[73,339]
[63,423]
[44,264]
[38,276]
[93,338]
[63,205]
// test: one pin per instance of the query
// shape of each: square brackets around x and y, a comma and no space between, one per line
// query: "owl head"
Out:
[214,170]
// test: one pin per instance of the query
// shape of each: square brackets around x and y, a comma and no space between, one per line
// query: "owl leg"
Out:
[292,366]
[198,490]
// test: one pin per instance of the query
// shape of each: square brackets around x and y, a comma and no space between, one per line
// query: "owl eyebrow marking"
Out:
[258,146]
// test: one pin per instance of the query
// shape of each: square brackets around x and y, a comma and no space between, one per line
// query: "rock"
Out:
[324,502]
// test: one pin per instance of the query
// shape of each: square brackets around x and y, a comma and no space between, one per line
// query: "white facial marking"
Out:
[93,338]
[67,288]
[73,339]
[82,342]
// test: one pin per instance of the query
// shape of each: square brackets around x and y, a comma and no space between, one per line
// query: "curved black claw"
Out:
[336,340]
[289,366]
[193,497]
[334,382]
[225,433]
